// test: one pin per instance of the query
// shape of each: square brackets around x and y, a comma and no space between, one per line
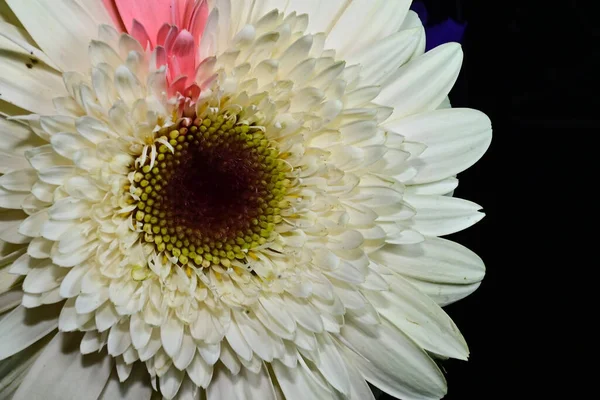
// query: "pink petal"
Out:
[177,86]
[171,37]
[139,33]
[198,20]
[161,56]
[150,13]
[183,50]
[111,7]
[162,34]
[182,12]
[192,91]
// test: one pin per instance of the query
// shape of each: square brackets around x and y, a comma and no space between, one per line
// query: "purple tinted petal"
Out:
[447,31]
[421,10]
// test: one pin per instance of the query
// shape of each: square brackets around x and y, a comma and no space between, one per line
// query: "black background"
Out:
[532,67]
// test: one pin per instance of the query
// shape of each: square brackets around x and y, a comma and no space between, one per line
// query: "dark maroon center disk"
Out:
[214,191]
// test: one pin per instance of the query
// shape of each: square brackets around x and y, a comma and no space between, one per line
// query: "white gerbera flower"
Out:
[237,199]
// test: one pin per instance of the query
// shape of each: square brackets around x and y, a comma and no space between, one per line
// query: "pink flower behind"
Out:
[173,28]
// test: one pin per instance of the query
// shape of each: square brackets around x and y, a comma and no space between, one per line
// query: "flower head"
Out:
[247,205]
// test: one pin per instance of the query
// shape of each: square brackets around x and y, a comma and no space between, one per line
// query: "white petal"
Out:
[91,342]
[43,279]
[331,364]
[106,316]
[304,313]
[243,386]
[123,369]
[170,382]
[434,260]
[71,26]
[10,220]
[93,130]
[455,138]
[102,53]
[69,373]
[11,199]
[439,188]
[69,209]
[10,300]
[423,83]
[10,162]
[237,342]
[67,144]
[275,308]
[118,338]
[420,318]
[84,188]
[210,352]
[137,386]
[14,369]
[393,363]
[21,38]
[322,13]
[186,353]
[359,389]
[199,371]
[297,384]
[359,25]
[255,335]
[442,215]
[127,85]
[32,226]
[171,334]
[140,331]
[230,359]
[22,327]
[21,180]
[30,88]
[40,248]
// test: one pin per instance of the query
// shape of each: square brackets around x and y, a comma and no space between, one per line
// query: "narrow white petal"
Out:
[22,327]
[442,215]
[70,372]
[297,384]
[455,139]
[331,364]
[170,382]
[137,386]
[237,342]
[10,220]
[140,331]
[441,187]
[91,342]
[21,180]
[30,88]
[72,29]
[40,248]
[420,318]
[186,352]
[43,279]
[171,334]
[199,371]
[394,363]
[358,27]
[118,338]
[434,260]
[11,199]
[21,38]
[423,83]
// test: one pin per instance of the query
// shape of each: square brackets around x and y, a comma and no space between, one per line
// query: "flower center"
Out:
[216,190]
